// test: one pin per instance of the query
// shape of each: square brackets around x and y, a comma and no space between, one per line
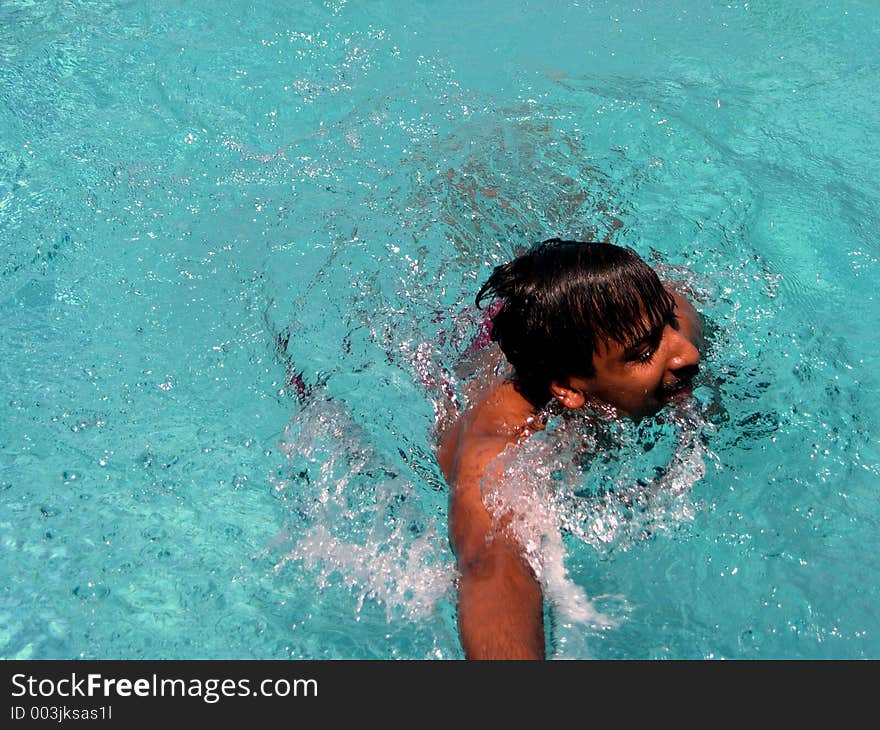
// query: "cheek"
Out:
[629,393]
[647,382]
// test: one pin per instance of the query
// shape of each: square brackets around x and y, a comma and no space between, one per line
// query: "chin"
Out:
[646,411]
[635,414]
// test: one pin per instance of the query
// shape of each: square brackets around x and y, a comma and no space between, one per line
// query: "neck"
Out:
[519,412]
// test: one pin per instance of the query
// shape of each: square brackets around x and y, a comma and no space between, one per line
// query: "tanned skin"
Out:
[500,605]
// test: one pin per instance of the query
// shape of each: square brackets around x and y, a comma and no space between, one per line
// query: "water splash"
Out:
[603,482]
[356,520]
[405,579]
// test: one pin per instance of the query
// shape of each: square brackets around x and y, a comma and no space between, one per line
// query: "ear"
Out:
[567,394]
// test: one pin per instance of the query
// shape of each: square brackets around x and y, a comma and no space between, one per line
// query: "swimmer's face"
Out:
[639,378]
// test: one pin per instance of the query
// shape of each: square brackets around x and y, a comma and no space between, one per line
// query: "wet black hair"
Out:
[561,300]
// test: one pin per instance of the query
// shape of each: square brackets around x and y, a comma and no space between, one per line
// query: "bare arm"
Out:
[500,604]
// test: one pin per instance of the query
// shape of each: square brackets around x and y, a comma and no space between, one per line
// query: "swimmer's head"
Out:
[589,320]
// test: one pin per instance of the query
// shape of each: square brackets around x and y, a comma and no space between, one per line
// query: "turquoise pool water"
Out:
[185,187]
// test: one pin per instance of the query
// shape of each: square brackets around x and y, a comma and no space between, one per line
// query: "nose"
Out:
[685,357]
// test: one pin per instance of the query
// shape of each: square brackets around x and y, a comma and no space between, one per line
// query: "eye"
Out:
[644,351]
[644,354]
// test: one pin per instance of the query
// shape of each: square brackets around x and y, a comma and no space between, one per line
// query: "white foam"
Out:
[606,483]
[399,572]
[554,484]
[522,496]
[358,520]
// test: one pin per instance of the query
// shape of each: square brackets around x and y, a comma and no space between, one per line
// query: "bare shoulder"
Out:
[468,455]
[482,432]
[469,446]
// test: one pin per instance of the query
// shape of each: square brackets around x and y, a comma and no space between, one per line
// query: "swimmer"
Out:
[579,324]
